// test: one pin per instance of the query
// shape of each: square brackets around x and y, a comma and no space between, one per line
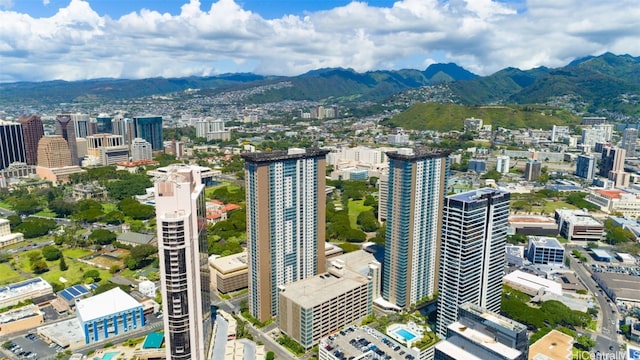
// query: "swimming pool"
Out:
[405,334]
[110,355]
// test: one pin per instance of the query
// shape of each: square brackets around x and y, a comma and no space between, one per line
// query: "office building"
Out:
[545,250]
[482,334]
[230,273]
[150,129]
[315,307]
[65,127]
[212,129]
[32,131]
[286,204]
[474,235]
[109,314]
[559,133]
[629,139]
[106,149]
[578,225]
[53,152]
[502,164]
[612,160]
[478,166]
[416,189]
[11,144]
[184,267]
[141,149]
[586,166]
[104,124]
[532,170]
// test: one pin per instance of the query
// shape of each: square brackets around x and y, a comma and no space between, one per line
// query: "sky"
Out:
[83,39]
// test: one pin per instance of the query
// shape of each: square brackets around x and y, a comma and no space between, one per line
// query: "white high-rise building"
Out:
[184,268]
[416,187]
[141,150]
[212,129]
[472,258]
[502,164]
[286,204]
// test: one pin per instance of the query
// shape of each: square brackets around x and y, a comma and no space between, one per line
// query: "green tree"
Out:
[492,174]
[63,264]
[39,267]
[355,235]
[51,253]
[270,355]
[34,227]
[102,236]
[114,217]
[93,274]
[367,221]
[585,342]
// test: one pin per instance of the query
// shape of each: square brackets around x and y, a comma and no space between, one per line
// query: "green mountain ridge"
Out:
[447,117]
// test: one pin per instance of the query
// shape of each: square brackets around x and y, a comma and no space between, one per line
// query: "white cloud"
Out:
[46,2]
[481,35]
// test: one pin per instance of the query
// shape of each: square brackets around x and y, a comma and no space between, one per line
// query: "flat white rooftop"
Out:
[455,352]
[484,340]
[108,303]
[533,282]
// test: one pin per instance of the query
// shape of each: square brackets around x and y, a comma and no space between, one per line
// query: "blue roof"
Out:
[74,292]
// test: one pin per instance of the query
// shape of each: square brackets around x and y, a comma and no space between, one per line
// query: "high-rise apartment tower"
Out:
[416,188]
[184,269]
[285,222]
[474,234]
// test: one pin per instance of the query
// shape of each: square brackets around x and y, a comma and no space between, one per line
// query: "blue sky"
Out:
[81,39]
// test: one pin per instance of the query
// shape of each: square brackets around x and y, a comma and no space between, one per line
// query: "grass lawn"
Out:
[592,325]
[8,275]
[46,213]
[355,208]
[209,191]
[550,207]
[73,274]
[75,253]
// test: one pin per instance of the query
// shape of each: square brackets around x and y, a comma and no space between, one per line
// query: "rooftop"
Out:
[477,195]
[531,219]
[291,154]
[533,282]
[601,253]
[455,352]
[107,303]
[231,263]
[625,286]
[19,313]
[419,153]
[554,345]
[577,217]
[484,340]
[136,238]
[19,288]
[504,322]
[547,242]
[321,288]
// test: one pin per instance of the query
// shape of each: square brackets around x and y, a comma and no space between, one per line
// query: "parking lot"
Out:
[615,268]
[31,347]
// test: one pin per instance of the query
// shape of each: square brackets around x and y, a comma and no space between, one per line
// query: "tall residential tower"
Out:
[415,193]
[286,204]
[474,234]
[184,269]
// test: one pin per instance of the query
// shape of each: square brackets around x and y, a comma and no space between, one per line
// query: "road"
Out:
[606,334]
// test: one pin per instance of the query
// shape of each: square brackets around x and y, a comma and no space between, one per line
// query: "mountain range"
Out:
[606,81]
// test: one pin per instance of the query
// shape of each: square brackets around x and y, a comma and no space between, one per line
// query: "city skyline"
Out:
[72,40]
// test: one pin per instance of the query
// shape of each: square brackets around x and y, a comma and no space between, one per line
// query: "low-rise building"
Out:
[615,201]
[545,250]
[20,319]
[531,284]
[132,238]
[554,345]
[89,191]
[6,236]
[109,314]
[619,287]
[230,273]
[24,290]
[578,225]
[532,225]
